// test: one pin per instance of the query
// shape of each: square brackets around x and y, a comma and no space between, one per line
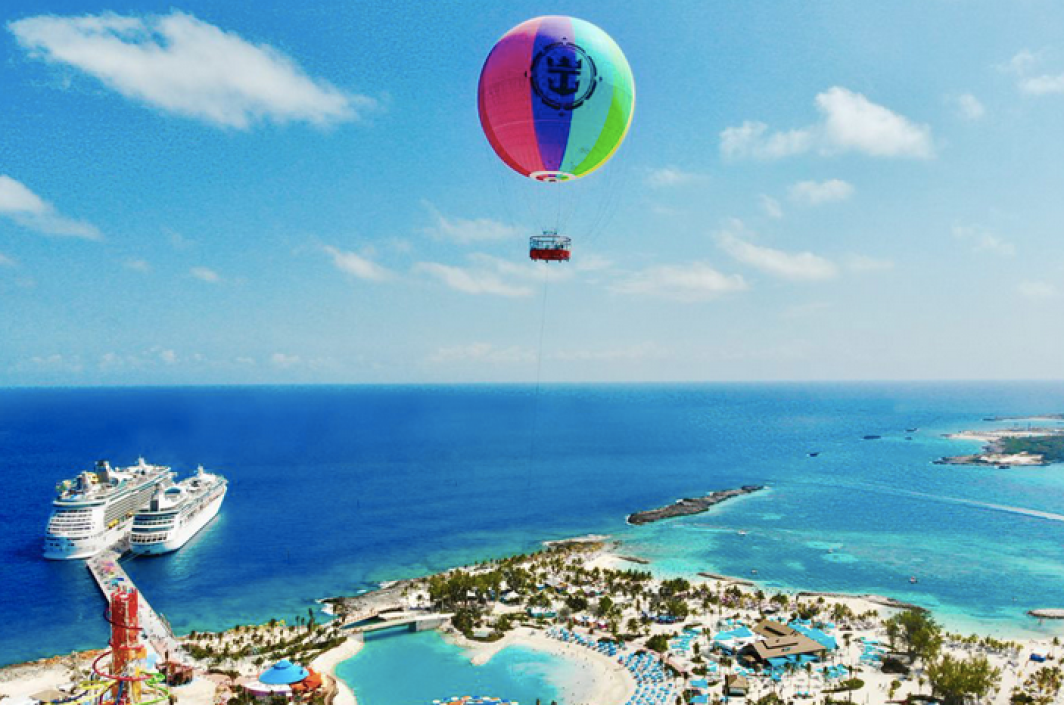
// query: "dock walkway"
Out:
[109,574]
[415,622]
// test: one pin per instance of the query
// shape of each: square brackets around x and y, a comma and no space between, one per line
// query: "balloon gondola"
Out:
[549,247]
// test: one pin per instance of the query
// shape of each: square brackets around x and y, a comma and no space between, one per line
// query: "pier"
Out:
[109,575]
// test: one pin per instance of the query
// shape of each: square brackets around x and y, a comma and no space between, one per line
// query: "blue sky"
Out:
[201,193]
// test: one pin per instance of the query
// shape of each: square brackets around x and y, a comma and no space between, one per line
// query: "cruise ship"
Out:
[176,513]
[95,510]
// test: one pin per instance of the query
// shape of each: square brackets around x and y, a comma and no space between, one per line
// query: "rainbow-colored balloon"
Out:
[556,98]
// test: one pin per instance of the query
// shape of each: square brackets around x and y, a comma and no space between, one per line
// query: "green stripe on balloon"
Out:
[589,119]
[619,116]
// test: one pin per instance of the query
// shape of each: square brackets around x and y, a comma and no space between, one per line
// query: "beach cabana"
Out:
[735,685]
[284,672]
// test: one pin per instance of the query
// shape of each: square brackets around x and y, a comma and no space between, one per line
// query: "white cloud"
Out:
[204,274]
[472,280]
[1037,290]
[169,357]
[982,240]
[671,176]
[1022,62]
[6,261]
[969,106]
[137,265]
[697,281]
[482,352]
[854,123]
[814,193]
[771,207]
[465,230]
[849,123]
[57,362]
[357,265]
[284,361]
[180,64]
[1043,85]
[643,351]
[244,360]
[796,266]
[863,263]
[749,140]
[31,211]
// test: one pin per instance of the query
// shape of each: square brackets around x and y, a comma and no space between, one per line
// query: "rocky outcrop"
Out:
[690,505]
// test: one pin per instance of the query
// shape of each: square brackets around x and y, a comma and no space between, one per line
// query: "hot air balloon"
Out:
[556,97]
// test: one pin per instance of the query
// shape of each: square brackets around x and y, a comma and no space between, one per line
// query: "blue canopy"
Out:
[284,672]
[700,699]
[740,633]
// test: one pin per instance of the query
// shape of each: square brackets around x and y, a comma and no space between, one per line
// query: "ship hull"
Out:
[61,548]
[178,537]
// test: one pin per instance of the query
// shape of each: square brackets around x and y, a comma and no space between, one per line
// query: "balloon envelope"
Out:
[556,98]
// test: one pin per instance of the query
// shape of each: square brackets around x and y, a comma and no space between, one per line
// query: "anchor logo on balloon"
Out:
[563,75]
[566,72]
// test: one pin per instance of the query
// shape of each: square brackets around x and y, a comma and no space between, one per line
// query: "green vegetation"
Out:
[1050,447]
[955,680]
[1041,688]
[846,686]
[659,643]
[916,633]
[301,644]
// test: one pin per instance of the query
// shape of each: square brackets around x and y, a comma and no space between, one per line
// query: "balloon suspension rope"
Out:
[539,371]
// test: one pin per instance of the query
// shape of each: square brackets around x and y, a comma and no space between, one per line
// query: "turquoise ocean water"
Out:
[334,489]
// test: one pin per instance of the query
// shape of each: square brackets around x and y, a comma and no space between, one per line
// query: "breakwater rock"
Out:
[1047,613]
[691,505]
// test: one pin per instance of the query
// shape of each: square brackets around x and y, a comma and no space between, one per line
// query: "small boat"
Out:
[911,430]
[741,532]
[753,571]
[871,438]
[908,438]
[1003,466]
[814,454]
[913,580]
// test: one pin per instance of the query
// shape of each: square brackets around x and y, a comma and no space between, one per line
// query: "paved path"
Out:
[109,574]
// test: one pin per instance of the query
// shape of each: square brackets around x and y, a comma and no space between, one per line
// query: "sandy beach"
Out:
[595,679]
[327,662]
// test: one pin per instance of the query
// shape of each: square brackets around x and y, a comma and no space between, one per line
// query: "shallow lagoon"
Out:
[403,668]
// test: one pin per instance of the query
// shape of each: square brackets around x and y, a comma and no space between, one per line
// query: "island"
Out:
[1006,447]
[690,505]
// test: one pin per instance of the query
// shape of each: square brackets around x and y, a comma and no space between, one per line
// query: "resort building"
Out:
[781,642]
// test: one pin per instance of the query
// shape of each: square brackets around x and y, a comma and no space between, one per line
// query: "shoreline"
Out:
[327,663]
[604,683]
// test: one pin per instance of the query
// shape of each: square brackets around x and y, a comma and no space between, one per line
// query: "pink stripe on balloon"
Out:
[505,100]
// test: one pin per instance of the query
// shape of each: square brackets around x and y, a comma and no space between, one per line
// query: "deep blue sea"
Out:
[334,489]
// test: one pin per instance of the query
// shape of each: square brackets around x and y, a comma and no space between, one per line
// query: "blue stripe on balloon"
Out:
[552,124]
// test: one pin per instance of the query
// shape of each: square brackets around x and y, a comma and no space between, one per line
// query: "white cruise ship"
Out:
[176,513]
[95,510]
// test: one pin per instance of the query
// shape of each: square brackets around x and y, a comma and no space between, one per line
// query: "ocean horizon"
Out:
[335,488]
